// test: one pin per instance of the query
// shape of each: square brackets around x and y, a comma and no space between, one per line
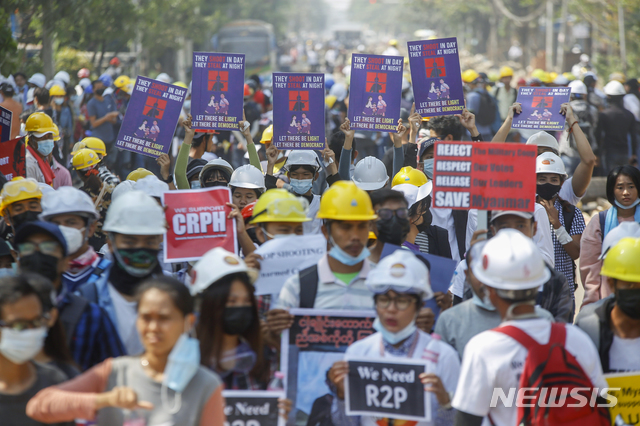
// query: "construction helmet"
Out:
[402,272]
[67,200]
[622,262]
[409,175]
[84,73]
[39,124]
[548,162]
[139,173]
[409,191]
[614,88]
[151,185]
[181,84]
[618,76]
[393,42]
[345,201]
[95,144]
[135,213]
[247,176]
[77,147]
[215,164]
[56,133]
[122,81]
[267,135]
[122,188]
[544,139]
[84,158]
[578,87]
[247,211]
[370,174]
[624,230]
[469,76]
[57,90]
[506,72]
[540,74]
[279,205]
[300,157]
[569,76]
[19,189]
[214,265]
[62,76]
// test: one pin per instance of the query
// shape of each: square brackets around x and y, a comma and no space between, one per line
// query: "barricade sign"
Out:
[12,158]
[5,124]
[252,408]
[626,388]
[541,108]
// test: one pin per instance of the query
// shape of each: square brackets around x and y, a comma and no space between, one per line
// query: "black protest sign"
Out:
[386,389]
[252,408]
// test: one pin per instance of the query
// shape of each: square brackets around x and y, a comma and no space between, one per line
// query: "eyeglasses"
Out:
[401,302]
[386,214]
[46,247]
[21,324]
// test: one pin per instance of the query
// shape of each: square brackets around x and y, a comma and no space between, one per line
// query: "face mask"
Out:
[21,346]
[43,264]
[195,184]
[45,147]
[629,302]
[427,218]
[484,302]
[393,231]
[7,272]
[99,92]
[125,277]
[182,365]
[345,258]
[301,186]
[394,338]
[187,105]
[547,191]
[428,168]
[633,205]
[59,101]
[74,238]
[237,320]
[24,217]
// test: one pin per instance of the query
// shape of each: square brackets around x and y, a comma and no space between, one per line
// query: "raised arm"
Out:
[345,156]
[503,132]
[582,175]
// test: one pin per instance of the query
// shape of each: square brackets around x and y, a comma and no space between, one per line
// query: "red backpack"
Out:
[551,366]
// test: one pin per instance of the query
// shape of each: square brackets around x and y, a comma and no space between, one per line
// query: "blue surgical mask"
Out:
[45,147]
[428,168]
[484,303]
[183,364]
[394,338]
[345,258]
[301,186]
[59,101]
[195,184]
[633,205]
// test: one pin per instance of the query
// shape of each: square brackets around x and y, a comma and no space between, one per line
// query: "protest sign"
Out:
[217,95]
[252,408]
[317,339]
[298,111]
[484,176]
[375,92]
[283,257]
[384,388]
[151,118]
[541,108]
[12,158]
[5,124]
[626,388]
[198,222]
[436,78]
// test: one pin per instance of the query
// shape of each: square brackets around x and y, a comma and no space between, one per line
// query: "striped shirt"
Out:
[422,241]
[563,262]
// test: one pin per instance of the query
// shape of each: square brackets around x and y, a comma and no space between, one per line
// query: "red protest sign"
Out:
[198,223]
[12,160]
[484,176]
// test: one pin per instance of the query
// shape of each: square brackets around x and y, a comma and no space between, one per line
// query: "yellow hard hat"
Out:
[56,132]
[539,74]
[345,201]
[139,174]
[56,90]
[77,147]
[372,235]
[569,76]
[622,261]
[19,189]
[553,76]
[95,144]
[469,76]
[181,84]
[330,100]
[506,72]
[409,175]
[84,158]
[39,124]
[279,205]
[267,135]
[618,76]
[122,81]
[393,42]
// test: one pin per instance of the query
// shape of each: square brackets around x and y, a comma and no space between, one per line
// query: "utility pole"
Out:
[562,37]
[623,41]
[549,37]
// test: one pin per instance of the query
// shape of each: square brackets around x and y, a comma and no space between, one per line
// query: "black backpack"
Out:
[486,113]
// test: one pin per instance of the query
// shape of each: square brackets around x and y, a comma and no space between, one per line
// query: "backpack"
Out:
[486,113]
[551,367]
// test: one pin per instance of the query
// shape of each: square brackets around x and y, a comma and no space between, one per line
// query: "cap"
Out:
[37,227]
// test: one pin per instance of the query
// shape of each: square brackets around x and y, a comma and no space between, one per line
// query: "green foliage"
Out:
[8,46]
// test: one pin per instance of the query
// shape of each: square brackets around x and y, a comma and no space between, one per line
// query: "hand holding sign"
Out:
[434,384]
[337,373]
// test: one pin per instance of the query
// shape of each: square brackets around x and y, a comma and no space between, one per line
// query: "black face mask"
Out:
[547,191]
[127,283]
[43,264]
[427,218]
[24,217]
[99,92]
[629,302]
[394,230]
[237,320]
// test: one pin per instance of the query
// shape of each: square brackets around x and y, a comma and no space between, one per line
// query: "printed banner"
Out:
[626,412]
[12,158]
[541,108]
[151,117]
[381,388]
[283,257]
[375,92]
[317,339]
[298,111]
[484,176]
[217,95]
[436,77]
[5,124]
[198,222]
[252,408]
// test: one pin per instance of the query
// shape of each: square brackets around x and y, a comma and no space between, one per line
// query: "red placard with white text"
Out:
[484,176]
[198,222]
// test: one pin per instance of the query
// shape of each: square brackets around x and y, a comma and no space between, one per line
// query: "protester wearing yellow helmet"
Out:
[139,173]
[470,76]
[62,177]
[40,132]
[409,175]
[20,201]
[504,93]
[99,147]
[267,135]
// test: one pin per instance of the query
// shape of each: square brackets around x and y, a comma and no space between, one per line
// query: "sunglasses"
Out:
[386,214]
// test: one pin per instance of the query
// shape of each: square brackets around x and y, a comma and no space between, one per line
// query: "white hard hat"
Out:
[624,230]
[216,264]
[38,79]
[584,58]
[561,80]
[135,213]
[54,82]
[218,164]
[544,139]
[62,76]
[300,157]
[548,162]
[578,87]
[510,261]
[67,200]
[164,77]
[614,88]
[401,272]
[409,191]
[424,191]
[45,188]
[151,185]
[122,188]
[370,174]
[247,176]
[84,83]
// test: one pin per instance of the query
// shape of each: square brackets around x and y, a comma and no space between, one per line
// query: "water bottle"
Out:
[277,383]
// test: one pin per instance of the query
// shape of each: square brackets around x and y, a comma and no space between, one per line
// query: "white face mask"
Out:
[21,346]
[74,237]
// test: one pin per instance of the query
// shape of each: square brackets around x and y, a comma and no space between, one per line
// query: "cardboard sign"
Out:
[252,408]
[12,158]
[381,388]
[626,388]
[484,176]
[436,77]
[298,111]
[541,108]
[198,222]
[151,117]
[317,339]
[375,92]
[217,96]
[5,124]
[284,257]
